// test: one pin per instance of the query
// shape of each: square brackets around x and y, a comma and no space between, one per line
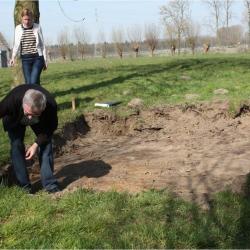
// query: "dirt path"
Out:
[192,151]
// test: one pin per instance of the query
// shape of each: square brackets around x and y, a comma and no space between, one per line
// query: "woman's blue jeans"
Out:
[32,68]
[49,182]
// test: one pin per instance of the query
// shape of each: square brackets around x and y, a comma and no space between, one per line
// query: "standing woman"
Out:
[29,42]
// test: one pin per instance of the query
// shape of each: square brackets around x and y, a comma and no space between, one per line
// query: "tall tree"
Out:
[247,3]
[102,44]
[227,5]
[82,39]
[192,33]
[63,42]
[228,11]
[151,37]
[176,13]
[119,40]
[135,37]
[32,5]
[215,7]
[171,37]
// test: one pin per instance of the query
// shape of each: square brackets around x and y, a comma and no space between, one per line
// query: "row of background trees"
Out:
[181,32]
[140,41]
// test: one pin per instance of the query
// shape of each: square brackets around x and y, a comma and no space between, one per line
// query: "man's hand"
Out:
[31,151]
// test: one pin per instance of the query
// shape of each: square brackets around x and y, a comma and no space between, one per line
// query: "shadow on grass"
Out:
[224,224]
[102,84]
[142,71]
[242,238]
[186,226]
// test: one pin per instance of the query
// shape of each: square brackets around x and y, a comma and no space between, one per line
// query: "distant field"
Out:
[158,80]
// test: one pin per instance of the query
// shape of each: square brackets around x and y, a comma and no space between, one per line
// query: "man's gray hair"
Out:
[35,99]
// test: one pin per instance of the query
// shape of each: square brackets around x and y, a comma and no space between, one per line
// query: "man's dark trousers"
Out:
[16,136]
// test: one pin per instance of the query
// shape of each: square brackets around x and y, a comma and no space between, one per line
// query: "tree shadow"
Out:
[135,71]
[101,84]
[205,223]
[74,172]
[242,238]
[74,74]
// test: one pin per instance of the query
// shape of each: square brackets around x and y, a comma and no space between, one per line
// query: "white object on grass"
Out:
[107,104]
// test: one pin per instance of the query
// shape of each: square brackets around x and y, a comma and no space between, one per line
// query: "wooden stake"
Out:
[73,103]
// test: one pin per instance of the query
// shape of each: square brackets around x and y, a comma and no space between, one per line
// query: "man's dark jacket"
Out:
[11,110]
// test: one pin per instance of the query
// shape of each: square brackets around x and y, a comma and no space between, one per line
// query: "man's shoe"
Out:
[28,189]
[53,190]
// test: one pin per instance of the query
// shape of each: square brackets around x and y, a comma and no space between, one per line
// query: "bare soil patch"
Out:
[192,151]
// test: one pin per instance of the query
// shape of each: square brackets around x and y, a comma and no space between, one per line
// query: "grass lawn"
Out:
[150,219]
[158,80]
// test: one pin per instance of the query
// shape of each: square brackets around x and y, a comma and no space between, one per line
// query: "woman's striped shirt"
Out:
[28,42]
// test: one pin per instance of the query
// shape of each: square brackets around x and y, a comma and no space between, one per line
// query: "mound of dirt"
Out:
[192,151]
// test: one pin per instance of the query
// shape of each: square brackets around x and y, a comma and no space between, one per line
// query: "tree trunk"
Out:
[179,42]
[248,11]
[32,5]
[193,48]
[152,52]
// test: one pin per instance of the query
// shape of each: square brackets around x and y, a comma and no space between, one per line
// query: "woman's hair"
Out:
[26,12]
[35,99]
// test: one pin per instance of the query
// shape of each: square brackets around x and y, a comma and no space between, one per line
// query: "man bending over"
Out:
[31,105]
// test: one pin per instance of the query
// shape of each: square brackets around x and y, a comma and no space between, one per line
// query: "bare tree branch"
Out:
[135,37]
[171,37]
[176,13]
[82,38]
[247,4]
[102,44]
[228,11]
[118,39]
[215,7]
[63,42]
[192,32]
[151,37]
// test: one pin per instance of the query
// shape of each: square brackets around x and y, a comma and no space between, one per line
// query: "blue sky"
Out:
[100,15]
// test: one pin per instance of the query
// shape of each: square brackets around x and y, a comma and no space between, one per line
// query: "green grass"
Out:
[159,80]
[152,219]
